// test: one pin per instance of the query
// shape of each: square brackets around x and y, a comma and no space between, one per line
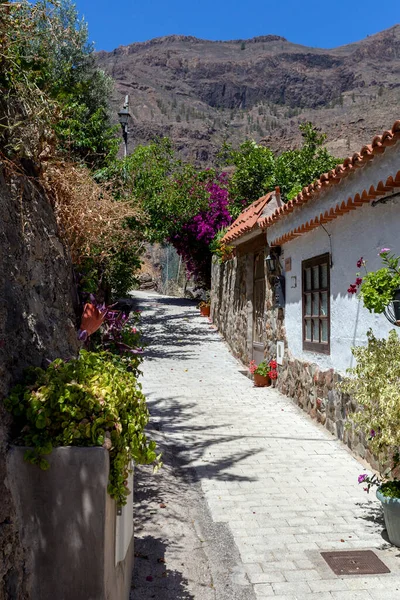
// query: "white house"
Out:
[317,238]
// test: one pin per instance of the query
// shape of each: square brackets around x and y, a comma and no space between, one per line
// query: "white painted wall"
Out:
[359,233]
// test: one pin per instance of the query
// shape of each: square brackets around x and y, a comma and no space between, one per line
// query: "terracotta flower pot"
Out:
[205,311]
[261,381]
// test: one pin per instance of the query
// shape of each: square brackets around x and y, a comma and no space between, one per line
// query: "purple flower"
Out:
[372,433]
[82,335]
[362,478]
[384,251]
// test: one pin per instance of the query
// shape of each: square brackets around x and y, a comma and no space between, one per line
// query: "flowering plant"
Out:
[374,385]
[193,238]
[389,487]
[264,369]
[377,288]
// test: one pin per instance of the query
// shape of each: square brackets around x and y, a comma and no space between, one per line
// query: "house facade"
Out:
[301,312]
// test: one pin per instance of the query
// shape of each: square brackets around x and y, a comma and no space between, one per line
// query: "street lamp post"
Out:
[123,116]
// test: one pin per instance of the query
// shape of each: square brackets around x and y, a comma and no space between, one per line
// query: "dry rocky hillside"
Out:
[200,93]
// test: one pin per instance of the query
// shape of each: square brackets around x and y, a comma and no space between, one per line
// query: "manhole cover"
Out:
[355,562]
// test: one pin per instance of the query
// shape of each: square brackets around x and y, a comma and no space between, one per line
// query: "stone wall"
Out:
[37,322]
[229,303]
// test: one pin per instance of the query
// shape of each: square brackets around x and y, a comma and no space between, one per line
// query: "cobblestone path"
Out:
[277,488]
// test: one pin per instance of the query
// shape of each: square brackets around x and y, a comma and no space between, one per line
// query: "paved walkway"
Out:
[281,487]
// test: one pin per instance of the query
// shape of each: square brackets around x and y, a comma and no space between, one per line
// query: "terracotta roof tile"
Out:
[352,204]
[247,220]
[357,160]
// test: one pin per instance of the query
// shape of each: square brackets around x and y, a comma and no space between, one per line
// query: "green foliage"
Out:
[50,82]
[391,489]
[378,287]
[169,191]
[120,271]
[298,168]
[89,401]
[254,173]
[374,385]
[222,251]
[258,170]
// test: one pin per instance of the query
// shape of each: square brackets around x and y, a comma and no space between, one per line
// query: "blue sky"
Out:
[310,22]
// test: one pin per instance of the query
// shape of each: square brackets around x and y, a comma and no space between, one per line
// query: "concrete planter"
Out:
[391,512]
[78,548]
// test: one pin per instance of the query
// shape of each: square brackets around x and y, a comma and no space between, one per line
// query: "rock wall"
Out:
[314,390]
[37,322]
[229,304]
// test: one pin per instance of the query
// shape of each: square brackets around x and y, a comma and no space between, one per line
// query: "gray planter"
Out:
[391,512]
[77,547]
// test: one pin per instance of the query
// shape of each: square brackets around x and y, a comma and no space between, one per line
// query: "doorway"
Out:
[258,307]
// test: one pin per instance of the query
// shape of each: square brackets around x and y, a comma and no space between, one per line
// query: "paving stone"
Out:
[283,485]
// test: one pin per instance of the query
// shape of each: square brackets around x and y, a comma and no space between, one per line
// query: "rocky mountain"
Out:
[200,93]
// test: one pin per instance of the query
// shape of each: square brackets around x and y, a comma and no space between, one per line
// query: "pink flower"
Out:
[384,251]
[134,330]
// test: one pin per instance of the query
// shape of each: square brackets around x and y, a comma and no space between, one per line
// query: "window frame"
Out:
[320,347]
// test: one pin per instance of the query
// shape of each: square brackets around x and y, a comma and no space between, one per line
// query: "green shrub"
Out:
[374,384]
[89,401]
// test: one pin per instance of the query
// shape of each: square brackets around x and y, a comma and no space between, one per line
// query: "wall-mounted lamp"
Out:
[272,260]
[271,264]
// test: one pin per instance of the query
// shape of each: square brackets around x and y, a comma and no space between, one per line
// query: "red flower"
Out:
[352,289]
[273,364]
[273,374]
[359,281]
[360,262]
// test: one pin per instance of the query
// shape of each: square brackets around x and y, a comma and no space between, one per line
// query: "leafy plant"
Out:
[389,488]
[258,170]
[119,335]
[374,385]
[222,251]
[89,401]
[50,84]
[377,288]
[264,369]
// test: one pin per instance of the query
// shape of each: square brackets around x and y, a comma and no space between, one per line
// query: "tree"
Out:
[48,73]
[258,170]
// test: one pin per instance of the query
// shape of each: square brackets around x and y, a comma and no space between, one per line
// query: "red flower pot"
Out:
[205,311]
[261,381]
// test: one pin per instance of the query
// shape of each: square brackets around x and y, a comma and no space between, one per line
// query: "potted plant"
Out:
[380,288]
[263,373]
[82,424]
[374,385]
[204,307]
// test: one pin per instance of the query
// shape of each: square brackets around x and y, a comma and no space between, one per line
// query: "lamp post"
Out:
[123,116]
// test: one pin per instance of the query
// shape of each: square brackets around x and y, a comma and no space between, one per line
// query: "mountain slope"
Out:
[201,92]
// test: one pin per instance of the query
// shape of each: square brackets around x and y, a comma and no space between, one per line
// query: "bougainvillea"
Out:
[193,239]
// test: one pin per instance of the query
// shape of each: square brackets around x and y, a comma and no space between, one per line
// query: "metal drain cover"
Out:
[355,562]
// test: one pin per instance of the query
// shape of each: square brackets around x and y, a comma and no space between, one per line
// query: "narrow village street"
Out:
[252,490]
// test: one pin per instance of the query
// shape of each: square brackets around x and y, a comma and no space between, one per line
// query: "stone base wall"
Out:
[229,309]
[315,391]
